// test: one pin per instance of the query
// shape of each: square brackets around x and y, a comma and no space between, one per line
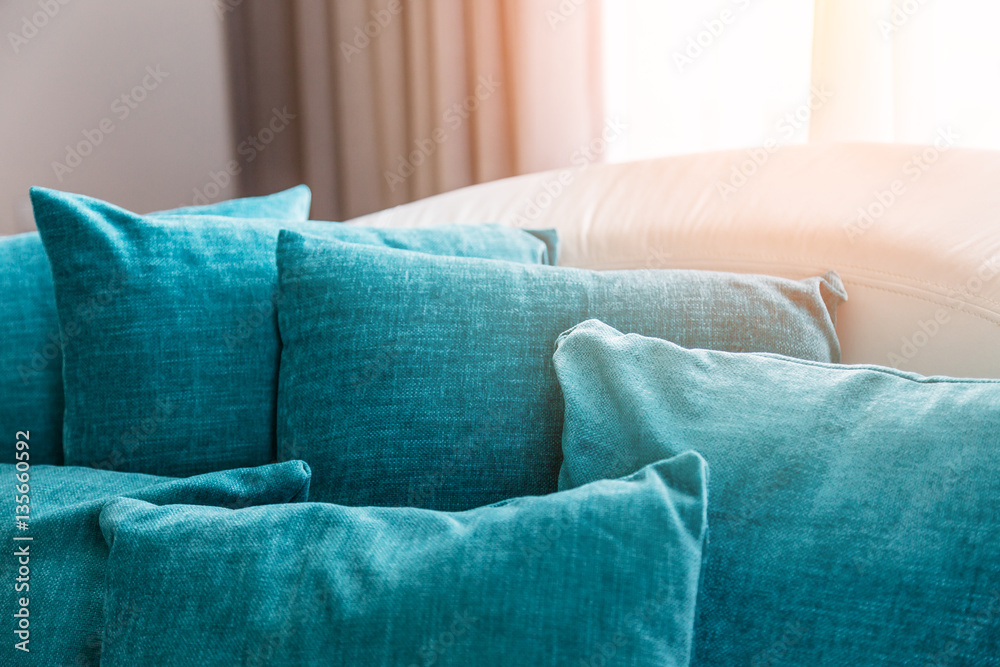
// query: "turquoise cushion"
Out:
[603,574]
[854,508]
[31,390]
[66,557]
[172,368]
[291,204]
[427,381]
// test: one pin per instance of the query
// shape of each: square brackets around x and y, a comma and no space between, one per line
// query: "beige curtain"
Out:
[910,71]
[402,99]
[855,63]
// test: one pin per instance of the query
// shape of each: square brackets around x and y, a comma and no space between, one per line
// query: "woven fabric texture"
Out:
[853,509]
[171,342]
[31,389]
[66,559]
[414,380]
[603,574]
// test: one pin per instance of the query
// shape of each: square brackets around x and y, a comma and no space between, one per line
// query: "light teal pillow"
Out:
[31,389]
[603,574]
[174,368]
[854,508]
[413,380]
[64,561]
[291,204]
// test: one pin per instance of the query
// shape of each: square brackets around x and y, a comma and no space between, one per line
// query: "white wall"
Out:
[65,78]
[687,77]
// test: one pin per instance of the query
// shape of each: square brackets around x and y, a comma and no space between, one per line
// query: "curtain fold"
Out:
[424,96]
[402,99]
[908,71]
[853,61]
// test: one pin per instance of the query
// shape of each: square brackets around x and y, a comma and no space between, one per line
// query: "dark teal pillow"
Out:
[427,381]
[172,368]
[854,508]
[603,574]
[31,389]
[64,556]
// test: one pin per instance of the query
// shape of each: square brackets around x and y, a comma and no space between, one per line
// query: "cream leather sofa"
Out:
[913,230]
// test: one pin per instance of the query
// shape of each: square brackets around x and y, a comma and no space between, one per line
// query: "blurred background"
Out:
[373,103]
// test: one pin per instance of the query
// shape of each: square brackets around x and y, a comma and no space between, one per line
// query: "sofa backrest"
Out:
[913,230]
